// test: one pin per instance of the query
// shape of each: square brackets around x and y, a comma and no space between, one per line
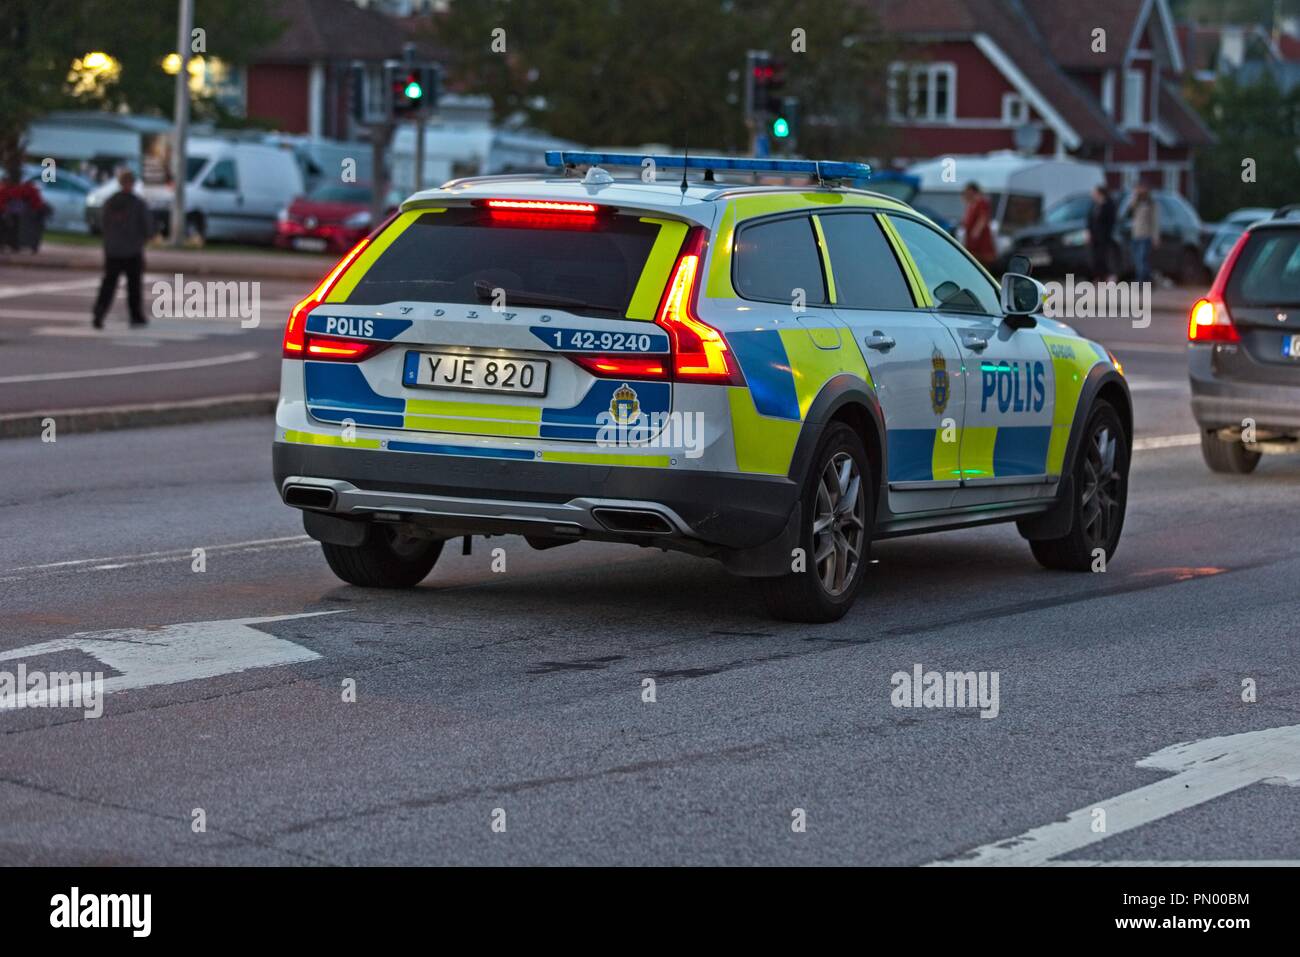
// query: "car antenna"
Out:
[686,159]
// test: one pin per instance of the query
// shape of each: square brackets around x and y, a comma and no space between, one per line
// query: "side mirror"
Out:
[1020,265]
[1022,296]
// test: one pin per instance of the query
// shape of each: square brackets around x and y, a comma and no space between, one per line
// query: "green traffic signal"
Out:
[780,128]
[413,90]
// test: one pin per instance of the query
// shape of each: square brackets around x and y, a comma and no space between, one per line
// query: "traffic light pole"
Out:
[381,135]
[185,22]
[420,119]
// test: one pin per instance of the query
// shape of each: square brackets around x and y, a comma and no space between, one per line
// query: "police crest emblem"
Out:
[938,382]
[624,406]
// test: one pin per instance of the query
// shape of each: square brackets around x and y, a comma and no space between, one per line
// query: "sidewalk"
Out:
[272,264]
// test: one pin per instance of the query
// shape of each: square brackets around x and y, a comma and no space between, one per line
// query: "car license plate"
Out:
[1291,346]
[1038,257]
[309,244]
[475,373]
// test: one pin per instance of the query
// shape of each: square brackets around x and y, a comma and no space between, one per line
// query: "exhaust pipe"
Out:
[633,521]
[309,496]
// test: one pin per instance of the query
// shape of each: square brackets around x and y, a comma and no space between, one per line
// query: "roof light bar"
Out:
[822,169]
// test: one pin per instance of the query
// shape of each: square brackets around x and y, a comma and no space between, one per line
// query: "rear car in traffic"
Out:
[1244,349]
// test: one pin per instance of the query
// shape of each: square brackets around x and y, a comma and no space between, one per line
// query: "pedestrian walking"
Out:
[127,226]
[977,225]
[1101,234]
[1144,223]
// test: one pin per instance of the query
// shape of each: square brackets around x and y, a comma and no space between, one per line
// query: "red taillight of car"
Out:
[332,349]
[1209,322]
[295,336]
[624,367]
[699,352]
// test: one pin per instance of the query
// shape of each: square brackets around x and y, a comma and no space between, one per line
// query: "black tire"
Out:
[1100,496]
[386,559]
[826,589]
[1230,456]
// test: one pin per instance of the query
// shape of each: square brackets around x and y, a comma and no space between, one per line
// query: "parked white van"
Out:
[1018,187]
[234,190]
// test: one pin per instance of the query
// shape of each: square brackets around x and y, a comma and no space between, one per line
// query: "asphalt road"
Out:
[520,692]
[517,695]
[52,360]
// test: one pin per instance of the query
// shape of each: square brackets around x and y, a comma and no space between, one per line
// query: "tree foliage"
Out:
[1257,122]
[629,73]
[40,39]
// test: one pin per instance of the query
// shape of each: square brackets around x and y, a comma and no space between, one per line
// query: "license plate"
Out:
[1038,257]
[1291,347]
[475,373]
[309,244]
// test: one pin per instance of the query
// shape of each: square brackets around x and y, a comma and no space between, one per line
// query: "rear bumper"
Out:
[462,495]
[1219,402]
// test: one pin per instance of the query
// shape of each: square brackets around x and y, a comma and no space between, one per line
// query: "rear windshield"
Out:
[1268,272]
[576,263]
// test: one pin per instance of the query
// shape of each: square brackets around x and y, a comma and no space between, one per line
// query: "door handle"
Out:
[974,343]
[879,341]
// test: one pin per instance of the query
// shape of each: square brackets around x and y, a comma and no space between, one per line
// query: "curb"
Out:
[66,421]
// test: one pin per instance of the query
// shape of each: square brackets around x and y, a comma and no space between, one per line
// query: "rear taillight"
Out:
[1210,322]
[624,367]
[332,349]
[699,352]
[295,336]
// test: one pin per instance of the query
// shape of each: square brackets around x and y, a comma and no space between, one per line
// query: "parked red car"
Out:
[334,217]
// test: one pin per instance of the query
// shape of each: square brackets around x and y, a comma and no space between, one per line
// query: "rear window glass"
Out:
[867,274]
[1268,272]
[776,257]
[580,264]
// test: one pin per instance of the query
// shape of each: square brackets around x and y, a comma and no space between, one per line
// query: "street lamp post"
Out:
[182,120]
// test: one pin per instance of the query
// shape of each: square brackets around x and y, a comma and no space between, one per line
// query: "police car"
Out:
[770,375]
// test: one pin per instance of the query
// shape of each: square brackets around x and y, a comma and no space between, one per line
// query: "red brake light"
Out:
[295,339]
[624,367]
[1209,322]
[330,349]
[700,352]
[541,206]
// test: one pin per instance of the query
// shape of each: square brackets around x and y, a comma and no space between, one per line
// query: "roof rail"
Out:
[492,178]
[820,169]
[1286,212]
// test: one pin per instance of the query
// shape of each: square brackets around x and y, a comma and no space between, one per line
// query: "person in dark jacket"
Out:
[127,226]
[1101,233]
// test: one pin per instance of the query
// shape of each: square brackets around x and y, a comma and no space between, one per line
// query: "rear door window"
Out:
[867,274]
[1268,272]
[582,264]
[775,257]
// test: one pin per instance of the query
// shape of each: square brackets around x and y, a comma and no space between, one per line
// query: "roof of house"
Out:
[332,30]
[1018,38]
[1185,123]
[1068,28]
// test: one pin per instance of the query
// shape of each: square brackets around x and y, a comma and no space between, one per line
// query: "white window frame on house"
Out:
[1108,93]
[1129,176]
[913,79]
[1173,179]
[1135,110]
[1015,111]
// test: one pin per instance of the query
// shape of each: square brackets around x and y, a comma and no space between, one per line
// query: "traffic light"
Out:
[413,89]
[774,83]
[785,122]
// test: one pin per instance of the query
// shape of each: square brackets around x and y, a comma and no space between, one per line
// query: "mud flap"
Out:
[1057,521]
[348,532]
[771,559]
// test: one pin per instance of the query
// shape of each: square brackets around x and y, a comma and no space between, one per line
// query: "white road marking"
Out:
[1166,441]
[1158,385]
[114,562]
[130,370]
[1119,348]
[48,288]
[1203,770]
[117,335]
[170,654]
